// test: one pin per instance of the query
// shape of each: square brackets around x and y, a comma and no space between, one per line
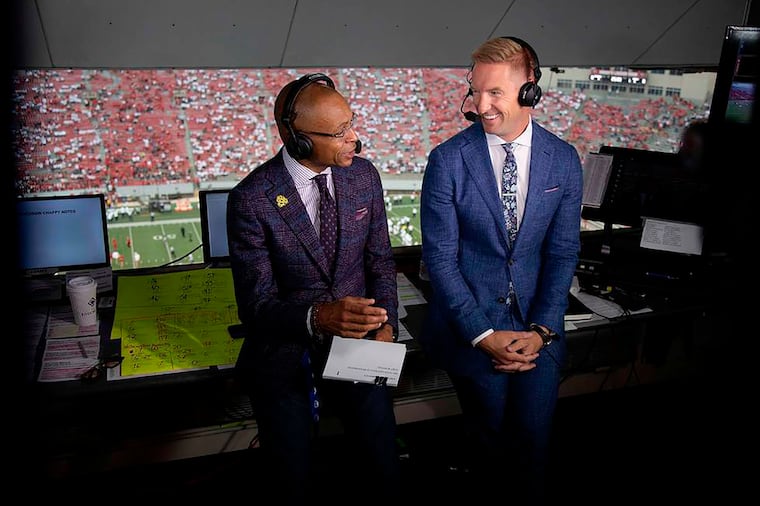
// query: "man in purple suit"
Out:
[311,259]
[501,203]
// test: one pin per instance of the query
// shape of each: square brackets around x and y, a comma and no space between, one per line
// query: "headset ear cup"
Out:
[291,144]
[539,93]
[530,94]
[303,146]
[298,145]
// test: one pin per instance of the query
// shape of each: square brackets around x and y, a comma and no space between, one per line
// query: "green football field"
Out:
[142,243]
[152,244]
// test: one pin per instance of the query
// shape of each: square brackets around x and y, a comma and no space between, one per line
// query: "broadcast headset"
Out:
[530,91]
[298,144]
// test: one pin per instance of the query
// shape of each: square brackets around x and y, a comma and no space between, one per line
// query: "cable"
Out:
[158,267]
[182,257]
[632,373]
[167,264]
[606,377]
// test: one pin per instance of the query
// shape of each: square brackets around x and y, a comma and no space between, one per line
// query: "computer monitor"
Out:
[648,184]
[735,129]
[734,100]
[662,205]
[62,233]
[213,207]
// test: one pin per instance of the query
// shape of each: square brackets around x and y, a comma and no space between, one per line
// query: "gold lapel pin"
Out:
[281,200]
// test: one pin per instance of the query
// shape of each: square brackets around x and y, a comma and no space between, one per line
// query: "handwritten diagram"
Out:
[176,321]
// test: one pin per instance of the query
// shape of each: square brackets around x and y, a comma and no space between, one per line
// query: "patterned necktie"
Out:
[328,219]
[509,192]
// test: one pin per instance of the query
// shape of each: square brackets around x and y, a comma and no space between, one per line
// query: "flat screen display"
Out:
[649,184]
[213,207]
[62,233]
[735,95]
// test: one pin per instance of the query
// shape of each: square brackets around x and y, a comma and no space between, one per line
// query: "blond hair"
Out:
[505,50]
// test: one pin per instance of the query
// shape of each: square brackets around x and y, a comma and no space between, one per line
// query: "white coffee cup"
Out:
[82,292]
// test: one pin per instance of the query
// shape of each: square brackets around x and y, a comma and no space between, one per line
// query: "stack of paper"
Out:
[69,349]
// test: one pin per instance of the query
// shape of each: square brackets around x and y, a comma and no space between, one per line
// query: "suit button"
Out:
[511,262]
[501,300]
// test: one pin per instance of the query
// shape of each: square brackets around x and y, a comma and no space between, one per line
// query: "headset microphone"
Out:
[358,148]
[469,115]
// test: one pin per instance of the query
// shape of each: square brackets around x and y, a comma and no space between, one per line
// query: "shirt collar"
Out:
[301,174]
[524,139]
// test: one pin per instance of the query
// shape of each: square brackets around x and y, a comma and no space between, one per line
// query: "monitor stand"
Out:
[606,239]
[43,289]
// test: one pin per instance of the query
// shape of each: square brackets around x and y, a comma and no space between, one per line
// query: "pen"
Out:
[81,349]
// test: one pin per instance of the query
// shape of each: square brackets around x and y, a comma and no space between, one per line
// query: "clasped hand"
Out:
[511,351]
[353,317]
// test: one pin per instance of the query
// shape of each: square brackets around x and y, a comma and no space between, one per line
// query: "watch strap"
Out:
[546,337]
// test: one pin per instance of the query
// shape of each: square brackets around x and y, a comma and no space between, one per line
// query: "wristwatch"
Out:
[373,333]
[395,334]
[546,336]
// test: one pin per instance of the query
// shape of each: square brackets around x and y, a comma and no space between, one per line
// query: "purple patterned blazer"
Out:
[278,264]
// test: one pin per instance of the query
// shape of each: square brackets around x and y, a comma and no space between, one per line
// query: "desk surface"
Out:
[207,405]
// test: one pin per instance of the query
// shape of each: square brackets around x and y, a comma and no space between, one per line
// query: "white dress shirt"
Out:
[307,189]
[521,149]
[303,177]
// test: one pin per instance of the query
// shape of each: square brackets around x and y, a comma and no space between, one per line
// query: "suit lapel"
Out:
[284,197]
[477,161]
[539,173]
[345,200]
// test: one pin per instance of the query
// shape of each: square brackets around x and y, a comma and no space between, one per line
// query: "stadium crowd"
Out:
[96,130]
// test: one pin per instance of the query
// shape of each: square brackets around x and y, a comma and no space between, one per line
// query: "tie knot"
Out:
[507,147]
[321,180]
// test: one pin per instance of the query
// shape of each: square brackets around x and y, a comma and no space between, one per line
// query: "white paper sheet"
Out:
[672,236]
[403,333]
[596,175]
[364,360]
[67,359]
[408,294]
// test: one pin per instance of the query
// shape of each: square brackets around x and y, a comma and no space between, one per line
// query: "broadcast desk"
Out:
[85,427]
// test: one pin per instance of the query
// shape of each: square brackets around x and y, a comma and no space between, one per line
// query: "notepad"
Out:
[576,310]
[364,360]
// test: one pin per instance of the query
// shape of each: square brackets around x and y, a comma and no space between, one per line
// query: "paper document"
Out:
[408,294]
[607,308]
[672,236]
[600,306]
[401,309]
[576,311]
[596,175]
[403,333]
[61,324]
[364,360]
[67,359]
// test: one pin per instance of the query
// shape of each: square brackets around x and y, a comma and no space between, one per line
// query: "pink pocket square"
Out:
[360,213]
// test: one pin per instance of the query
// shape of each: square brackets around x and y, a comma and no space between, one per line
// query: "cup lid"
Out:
[80,282]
